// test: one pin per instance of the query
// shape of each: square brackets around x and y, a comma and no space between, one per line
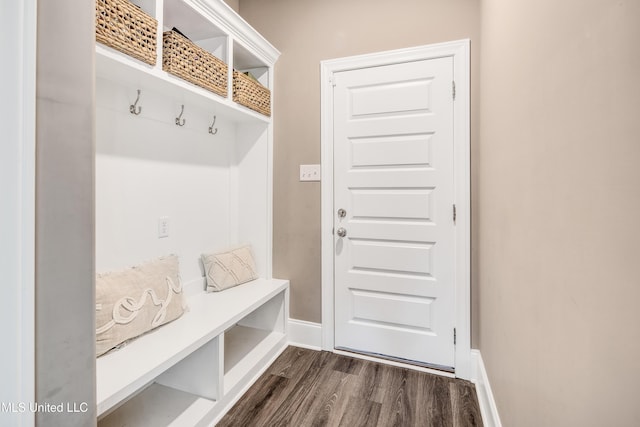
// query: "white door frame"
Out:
[459,51]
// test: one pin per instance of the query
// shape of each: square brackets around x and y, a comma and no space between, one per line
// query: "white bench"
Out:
[190,371]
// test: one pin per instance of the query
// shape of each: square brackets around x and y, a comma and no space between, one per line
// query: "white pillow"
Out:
[136,300]
[230,268]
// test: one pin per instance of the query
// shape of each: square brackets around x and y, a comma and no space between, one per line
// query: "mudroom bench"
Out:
[190,371]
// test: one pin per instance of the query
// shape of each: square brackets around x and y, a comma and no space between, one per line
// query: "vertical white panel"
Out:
[252,150]
[65,266]
[17,212]
[197,373]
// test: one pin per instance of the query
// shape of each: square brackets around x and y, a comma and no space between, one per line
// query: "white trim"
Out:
[326,203]
[488,408]
[224,17]
[17,215]
[305,334]
[462,188]
[459,51]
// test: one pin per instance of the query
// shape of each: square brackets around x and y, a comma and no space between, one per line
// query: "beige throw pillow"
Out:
[230,268]
[134,301]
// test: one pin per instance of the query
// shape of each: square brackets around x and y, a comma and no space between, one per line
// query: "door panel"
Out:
[391,150]
[399,203]
[391,256]
[393,174]
[395,310]
[391,97]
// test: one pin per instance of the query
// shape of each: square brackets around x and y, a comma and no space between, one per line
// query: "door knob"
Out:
[342,213]
[341,232]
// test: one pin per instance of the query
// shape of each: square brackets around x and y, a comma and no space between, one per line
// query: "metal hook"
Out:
[178,121]
[132,107]
[211,130]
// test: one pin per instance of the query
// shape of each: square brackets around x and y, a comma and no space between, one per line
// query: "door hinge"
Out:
[454,214]
[332,82]
[453,92]
[454,336]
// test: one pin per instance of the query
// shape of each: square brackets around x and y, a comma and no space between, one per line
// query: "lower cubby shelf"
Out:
[158,405]
[244,348]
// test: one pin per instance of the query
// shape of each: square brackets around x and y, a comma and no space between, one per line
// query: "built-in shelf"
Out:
[158,405]
[242,347]
[189,371]
[212,25]
[123,372]
[114,66]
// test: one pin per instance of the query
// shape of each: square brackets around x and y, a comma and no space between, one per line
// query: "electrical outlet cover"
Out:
[163,227]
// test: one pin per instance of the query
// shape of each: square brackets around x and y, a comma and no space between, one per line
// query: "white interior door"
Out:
[393,197]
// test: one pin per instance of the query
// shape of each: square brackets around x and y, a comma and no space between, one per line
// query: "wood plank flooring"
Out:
[318,388]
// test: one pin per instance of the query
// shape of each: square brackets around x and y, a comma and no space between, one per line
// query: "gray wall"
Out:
[307,32]
[558,210]
[65,308]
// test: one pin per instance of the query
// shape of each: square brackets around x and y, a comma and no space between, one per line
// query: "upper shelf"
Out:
[215,27]
[113,65]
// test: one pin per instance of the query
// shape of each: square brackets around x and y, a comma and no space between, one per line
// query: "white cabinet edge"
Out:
[228,20]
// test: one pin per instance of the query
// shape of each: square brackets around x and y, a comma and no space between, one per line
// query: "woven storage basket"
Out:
[190,62]
[125,27]
[251,94]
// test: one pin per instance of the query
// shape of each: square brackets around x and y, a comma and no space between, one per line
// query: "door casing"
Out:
[459,51]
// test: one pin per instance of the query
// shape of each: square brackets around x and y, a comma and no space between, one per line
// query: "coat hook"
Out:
[178,121]
[213,131]
[132,107]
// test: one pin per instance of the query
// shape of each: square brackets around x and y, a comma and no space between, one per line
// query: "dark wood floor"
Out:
[318,388]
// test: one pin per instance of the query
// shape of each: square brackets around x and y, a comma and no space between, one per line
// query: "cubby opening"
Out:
[148,6]
[251,339]
[196,27]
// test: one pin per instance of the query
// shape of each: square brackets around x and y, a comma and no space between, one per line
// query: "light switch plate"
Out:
[309,172]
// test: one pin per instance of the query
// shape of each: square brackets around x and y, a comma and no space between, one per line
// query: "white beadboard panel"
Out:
[148,168]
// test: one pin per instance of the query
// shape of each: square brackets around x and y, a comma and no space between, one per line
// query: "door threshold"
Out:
[399,361]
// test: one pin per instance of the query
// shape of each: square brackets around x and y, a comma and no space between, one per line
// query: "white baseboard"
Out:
[488,408]
[305,334]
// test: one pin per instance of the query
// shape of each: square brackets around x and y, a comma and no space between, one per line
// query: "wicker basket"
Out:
[190,62]
[125,27]
[251,94]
